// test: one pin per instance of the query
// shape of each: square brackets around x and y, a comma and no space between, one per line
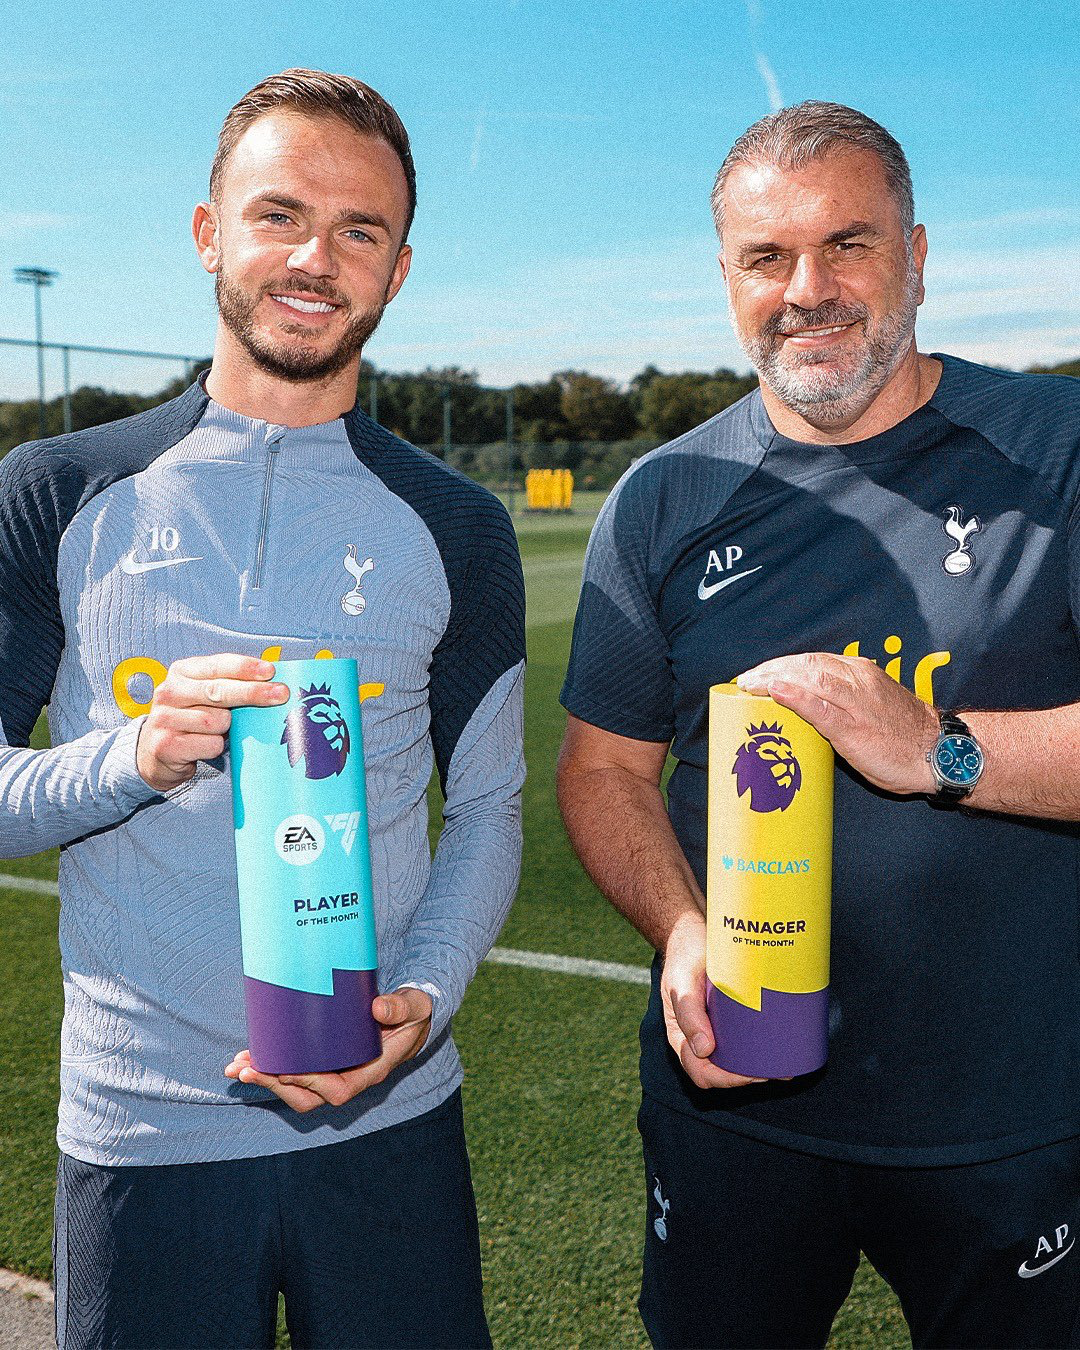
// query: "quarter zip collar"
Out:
[225,435]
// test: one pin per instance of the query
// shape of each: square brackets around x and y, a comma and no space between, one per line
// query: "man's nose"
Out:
[315,258]
[811,283]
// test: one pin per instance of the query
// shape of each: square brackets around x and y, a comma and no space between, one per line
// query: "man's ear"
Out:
[400,272]
[918,252]
[205,229]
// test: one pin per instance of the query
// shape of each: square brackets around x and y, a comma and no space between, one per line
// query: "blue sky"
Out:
[565,153]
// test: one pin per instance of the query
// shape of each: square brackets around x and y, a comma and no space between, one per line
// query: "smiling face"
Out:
[823,283]
[304,238]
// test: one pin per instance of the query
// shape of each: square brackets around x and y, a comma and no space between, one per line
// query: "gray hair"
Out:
[794,136]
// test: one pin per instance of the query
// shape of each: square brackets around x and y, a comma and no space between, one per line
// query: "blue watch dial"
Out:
[958,759]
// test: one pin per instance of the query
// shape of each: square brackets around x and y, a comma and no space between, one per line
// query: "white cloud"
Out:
[768,75]
[764,65]
[13,223]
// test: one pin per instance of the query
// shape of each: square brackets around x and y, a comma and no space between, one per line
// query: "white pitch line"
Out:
[500,956]
[29,884]
[569,965]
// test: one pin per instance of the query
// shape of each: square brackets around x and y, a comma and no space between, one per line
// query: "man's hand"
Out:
[405,1017]
[190,714]
[882,731]
[682,991]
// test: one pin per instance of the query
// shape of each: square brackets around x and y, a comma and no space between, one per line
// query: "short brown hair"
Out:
[319,95]
[794,136]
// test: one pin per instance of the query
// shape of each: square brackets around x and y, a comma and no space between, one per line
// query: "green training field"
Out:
[550,1091]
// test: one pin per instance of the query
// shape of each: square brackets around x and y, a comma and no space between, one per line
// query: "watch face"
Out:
[958,759]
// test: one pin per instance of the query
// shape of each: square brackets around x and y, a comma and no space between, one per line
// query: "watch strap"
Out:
[952,724]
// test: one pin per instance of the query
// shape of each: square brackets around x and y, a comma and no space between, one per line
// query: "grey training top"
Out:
[191,530]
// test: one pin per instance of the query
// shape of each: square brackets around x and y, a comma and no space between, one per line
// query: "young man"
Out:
[876,539]
[153,572]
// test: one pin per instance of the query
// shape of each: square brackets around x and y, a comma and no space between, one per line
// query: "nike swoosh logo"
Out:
[133,568]
[1025,1272]
[703,591]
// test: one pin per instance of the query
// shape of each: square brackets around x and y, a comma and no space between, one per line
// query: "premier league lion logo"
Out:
[315,731]
[766,768]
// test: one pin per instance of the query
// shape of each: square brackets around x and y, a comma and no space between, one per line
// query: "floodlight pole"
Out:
[38,277]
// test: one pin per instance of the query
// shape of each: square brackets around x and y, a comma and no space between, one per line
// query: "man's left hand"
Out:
[405,1017]
[883,731]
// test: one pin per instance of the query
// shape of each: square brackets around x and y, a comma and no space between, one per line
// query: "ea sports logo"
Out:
[299,840]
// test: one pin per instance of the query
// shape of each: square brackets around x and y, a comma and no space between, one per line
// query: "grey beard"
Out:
[837,397]
[298,364]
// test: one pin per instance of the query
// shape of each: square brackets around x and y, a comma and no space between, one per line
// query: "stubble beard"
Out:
[830,398]
[300,361]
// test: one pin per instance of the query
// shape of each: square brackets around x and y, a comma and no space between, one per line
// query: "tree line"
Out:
[574,420]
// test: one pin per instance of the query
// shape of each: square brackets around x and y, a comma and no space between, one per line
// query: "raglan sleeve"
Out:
[476,697]
[47,797]
[1074,561]
[619,677]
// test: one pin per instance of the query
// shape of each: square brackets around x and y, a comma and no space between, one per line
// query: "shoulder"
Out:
[67,470]
[665,491]
[1031,418]
[969,385]
[463,517]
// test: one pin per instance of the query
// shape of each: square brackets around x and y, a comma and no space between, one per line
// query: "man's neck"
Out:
[237,383]
[911,385]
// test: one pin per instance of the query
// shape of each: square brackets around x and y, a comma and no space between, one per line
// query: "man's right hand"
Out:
[682,991]
[190,714]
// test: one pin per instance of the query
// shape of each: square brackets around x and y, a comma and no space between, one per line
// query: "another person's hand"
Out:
[405,1017]
[190,714]
[682,990]
[883,731]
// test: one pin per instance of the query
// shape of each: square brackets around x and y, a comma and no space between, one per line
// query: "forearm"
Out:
[886,734]
[477,863]
[619,827]
[1030,762]
[474,877]
[49,797]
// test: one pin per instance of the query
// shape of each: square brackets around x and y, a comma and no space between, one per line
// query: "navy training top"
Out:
[956,935]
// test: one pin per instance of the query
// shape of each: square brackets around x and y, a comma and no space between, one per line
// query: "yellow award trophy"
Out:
[769,886]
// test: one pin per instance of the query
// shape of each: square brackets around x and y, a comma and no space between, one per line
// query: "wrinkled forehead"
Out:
[820,197]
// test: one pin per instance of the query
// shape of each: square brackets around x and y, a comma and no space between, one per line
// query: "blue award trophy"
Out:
[303,867]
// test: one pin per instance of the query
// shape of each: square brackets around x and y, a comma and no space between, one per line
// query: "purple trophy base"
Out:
[789,1036]
[292,1031]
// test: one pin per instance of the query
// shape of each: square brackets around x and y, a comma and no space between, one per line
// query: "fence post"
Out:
[67,388]
[510,448]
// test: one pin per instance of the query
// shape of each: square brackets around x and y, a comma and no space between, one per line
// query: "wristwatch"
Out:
[957,760]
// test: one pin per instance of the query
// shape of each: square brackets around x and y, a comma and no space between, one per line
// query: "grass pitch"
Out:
[551,1060]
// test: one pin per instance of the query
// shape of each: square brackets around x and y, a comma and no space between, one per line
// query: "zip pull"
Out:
[273,436]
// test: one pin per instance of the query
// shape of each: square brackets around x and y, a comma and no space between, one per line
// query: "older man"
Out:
[886,542]
[152,572]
